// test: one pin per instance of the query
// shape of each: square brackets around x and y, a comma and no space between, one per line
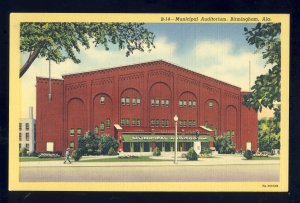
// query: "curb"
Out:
[145,165]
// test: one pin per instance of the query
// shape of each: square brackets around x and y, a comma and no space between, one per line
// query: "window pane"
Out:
[123,100]
[78,131]
[157,102]
[27,136]
[127,122]
[122,122]
[167,123]
[138,101]
[107,123]
[162,123]
[96,131]
[20,126]
[152,102]
[133,101]
[162,102]
[190,103]
[27,126]
[167,103]
[180,103]
[20,136]
[184,103]
[133,122]
[157,123]
[102,98]
[127,101]
[194,103]
[72,132]
[72,145]
[138,122]
[152,123]
[210,104]
[102,127]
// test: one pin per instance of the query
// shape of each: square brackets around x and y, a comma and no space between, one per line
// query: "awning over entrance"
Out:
[166,138]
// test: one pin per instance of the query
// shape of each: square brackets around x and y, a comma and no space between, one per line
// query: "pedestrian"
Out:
[67,157]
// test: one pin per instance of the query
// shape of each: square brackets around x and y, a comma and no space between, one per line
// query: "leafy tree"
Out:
[192,155]
[106,142]
[266,90]
[248,154]
[60,41]
[156,151]
[112,152]
[224,144]
[268,134]
[88,144]
[76,155]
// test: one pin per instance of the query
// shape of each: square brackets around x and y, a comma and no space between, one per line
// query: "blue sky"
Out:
[215,50]
[186,35]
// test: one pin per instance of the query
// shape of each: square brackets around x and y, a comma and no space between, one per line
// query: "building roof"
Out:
[205,128]
[140,65]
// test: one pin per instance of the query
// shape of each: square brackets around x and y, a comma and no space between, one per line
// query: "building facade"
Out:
[137,103]
[27,131]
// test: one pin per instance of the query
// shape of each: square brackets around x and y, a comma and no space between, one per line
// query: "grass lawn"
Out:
[139,159]
[24,159]
[265,158]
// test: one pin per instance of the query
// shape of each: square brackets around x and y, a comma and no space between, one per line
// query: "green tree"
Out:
[192,155]
[106,142]
[224,144]
[268,134]
[266,90]
[88,144]
[60,41]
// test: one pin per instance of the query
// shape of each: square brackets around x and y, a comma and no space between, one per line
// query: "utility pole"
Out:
[249,76]
[49,95]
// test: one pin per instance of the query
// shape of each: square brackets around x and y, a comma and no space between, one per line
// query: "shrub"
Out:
[248,154]
[205,156]
[76,155]
[48,155]
[156,152]
[128,157]
[192,155]
[106,142]
[88,144]
[23,152]
[91,144]
[205,151]
[261,154]
[33,154]
[112,152]
[224,145]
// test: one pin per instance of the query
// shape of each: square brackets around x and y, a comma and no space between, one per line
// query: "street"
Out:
[196,173]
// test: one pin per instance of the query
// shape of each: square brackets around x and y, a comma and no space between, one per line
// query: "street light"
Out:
[175,119]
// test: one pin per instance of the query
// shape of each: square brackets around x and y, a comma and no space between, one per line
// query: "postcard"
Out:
[149,102]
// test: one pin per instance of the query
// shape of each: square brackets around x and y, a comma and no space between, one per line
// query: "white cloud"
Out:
[224,61]
[218,59]
[91,59]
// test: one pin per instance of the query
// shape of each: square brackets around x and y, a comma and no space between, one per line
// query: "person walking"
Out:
[67,157]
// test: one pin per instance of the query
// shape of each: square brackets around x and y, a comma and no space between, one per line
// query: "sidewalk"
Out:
[218,160]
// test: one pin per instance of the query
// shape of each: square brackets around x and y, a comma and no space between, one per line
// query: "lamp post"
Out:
[175,158]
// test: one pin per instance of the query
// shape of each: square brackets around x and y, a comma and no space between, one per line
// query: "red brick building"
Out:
[137,103]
